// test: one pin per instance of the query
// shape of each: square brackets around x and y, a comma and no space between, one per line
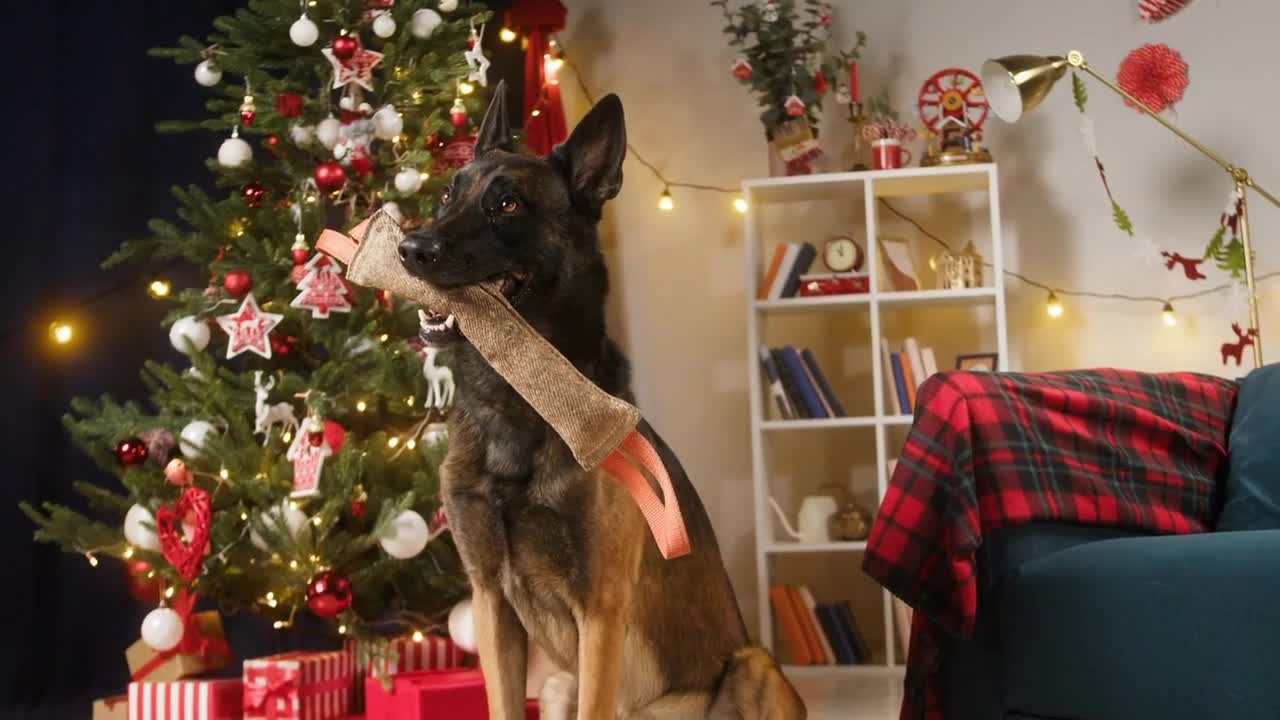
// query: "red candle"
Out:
[853,81]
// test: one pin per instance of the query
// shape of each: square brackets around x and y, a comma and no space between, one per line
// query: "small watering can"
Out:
[813,520]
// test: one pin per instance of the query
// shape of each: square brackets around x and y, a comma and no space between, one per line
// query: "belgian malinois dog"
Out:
[555,554]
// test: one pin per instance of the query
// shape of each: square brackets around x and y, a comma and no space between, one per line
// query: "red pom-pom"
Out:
[1155,74]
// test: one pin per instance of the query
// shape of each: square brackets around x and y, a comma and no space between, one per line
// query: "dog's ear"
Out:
[495,131]
[594,152]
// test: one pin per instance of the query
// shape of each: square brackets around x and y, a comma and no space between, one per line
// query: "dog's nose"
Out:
[417,252]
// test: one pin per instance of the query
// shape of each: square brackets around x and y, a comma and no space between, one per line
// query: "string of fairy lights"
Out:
[62,331]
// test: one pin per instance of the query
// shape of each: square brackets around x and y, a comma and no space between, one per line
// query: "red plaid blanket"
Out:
[1098,447]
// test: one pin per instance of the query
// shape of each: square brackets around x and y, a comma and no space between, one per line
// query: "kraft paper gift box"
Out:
[115,707]
[298,686]
[149,665]
[456,694]
[185,700]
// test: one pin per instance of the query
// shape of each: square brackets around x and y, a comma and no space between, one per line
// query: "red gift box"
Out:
[185,700]
[298,686]
[432,652]
[456,694]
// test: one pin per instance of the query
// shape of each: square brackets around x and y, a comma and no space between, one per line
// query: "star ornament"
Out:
[358,69]
[247,329]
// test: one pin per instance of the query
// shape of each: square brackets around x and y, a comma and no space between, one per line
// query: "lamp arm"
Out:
[1238,174]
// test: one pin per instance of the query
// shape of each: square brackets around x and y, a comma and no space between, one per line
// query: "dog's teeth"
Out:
[448,322]
[422,316]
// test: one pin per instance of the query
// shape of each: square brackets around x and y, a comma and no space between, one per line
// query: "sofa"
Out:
[1092,623]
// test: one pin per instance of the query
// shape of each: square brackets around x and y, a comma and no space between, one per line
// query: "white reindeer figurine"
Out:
[268,416]
[439,381]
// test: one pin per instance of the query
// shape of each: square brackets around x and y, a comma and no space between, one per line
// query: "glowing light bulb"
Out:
[1054,307]
[411,444]
[224,473]
[168,592]
[278,624]
[664,200]
[1167,315]
[286,437]
[244,516]
[507,35]
[740,204]
[361,406]
[316,521]
[393,441]
[128,552]
[409,401]
[61,332]
[93,561]
[536,112]
[417,636]
[293,564]
[342,629]
[271,596]
[293,505]
[466,88]
[383,337]
[159,289]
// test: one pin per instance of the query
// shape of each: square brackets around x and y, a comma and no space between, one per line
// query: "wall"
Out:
[678,300]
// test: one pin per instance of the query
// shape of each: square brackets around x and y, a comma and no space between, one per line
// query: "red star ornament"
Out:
[358,69]
[323,289]
[308,462]
[248,328]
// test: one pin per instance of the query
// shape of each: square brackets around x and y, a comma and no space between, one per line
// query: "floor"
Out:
[850,697]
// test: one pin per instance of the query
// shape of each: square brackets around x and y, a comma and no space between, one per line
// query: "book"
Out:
[837,408]
[911,349]
[860,646]
[890,385]
[776,391]
[822,398]
[902,616]
[788,623]
[789,384]
[841,644]
[807,627]
[811,606]
[843,621]
[908,382]
[930,362]
[779,250]
[804,259]
[784,267]
[899,382]
[808,391]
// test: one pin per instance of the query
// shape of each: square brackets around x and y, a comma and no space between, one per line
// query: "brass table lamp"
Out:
[1017,83]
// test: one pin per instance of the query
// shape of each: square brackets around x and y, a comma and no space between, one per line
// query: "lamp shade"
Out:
[1016,84]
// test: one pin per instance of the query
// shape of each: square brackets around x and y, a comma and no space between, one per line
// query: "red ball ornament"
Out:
[283,345]
[176,472]
[252,193]
[141,588]
[132,452]
[361,163]
[328,593]
[288,104]
[334,436]
[330,176]
[357,508]
[301,256]
[344,47]
[237,283]
[271,145]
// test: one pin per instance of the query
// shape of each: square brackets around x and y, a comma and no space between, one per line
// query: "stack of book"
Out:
[814,633]
[788,276]
[904,372]
[797,385]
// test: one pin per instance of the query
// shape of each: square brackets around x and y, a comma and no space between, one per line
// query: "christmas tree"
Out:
[292,466]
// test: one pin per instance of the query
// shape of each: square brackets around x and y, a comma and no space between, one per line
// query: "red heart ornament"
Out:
[185,547]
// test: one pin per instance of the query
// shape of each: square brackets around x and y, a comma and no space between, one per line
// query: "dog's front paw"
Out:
[559,697]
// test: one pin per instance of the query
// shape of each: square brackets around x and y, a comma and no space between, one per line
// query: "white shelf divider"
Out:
[846,187]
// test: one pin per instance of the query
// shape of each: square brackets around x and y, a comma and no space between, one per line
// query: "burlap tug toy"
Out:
[599,428]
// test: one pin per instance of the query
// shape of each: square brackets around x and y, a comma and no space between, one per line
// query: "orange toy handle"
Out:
[662,514]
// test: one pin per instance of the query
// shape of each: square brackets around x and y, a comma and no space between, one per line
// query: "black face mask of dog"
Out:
[529,224]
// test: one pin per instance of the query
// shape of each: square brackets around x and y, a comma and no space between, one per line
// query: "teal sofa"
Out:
[1089,623]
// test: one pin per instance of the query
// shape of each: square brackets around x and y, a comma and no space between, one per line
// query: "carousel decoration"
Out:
[953,107]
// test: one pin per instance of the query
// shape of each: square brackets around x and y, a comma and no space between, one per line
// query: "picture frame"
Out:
[978,362]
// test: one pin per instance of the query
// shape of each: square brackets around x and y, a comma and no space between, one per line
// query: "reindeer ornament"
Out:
[1236,349]
[268,416]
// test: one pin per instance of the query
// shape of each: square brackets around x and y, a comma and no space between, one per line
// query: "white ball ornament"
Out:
[462,626]
[234,152]
[136,529]
[294,519]
[424,22]
[408,180]
[191,439]
[387,122]
[448,5]
[303,32]
[384,26]
[365,108]
[346,102]
[407,536]
[162,629]
[327,132]
[208,73]
[191,330]
[302,134]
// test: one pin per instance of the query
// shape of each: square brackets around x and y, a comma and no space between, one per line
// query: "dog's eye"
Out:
[445,197]
[509,204]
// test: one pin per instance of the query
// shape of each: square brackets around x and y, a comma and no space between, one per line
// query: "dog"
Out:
[557,555]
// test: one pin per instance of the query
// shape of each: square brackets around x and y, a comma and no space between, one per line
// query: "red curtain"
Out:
[536,20]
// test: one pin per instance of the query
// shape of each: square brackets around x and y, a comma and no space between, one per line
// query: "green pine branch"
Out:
[1121,218]
[1079,92]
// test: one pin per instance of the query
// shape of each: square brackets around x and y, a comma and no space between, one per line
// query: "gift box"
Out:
[111,708]
[432,652]
[185,700]
[456,694]
[298,686]
[203,649]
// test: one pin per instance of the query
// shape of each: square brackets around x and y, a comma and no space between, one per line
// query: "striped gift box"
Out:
[298,686]
[185,700]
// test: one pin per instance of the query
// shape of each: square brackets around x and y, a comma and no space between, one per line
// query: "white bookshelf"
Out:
[843,189]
